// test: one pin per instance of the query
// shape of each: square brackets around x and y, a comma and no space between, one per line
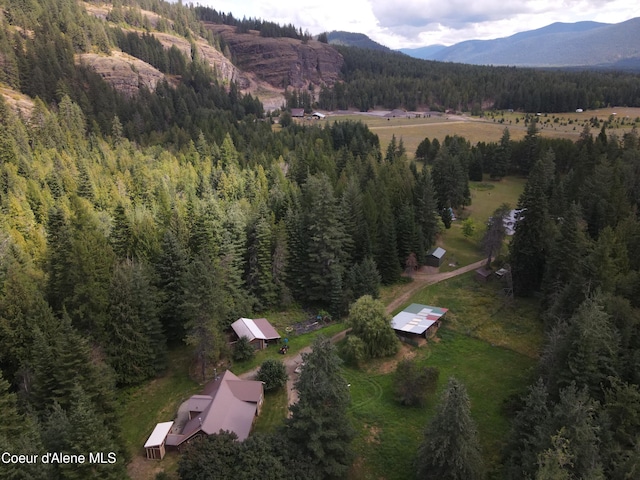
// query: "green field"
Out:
[389,434]
[485,198]
[488,343]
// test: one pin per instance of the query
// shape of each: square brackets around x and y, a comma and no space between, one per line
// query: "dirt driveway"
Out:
[420,280]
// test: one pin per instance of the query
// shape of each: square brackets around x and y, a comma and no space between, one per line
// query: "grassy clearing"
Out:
[490,346]
[389,434]
[156,401]
[485,198]
[274,411]
[480,310]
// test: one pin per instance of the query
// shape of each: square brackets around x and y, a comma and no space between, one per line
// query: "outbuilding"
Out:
[435,257]
[417,322]
[155,444]
[259,331]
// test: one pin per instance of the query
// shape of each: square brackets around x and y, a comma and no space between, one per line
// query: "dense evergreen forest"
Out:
[129,225]
[373,78]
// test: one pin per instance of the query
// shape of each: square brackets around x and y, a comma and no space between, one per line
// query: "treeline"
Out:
[266,28]
[576,245]
[392,80]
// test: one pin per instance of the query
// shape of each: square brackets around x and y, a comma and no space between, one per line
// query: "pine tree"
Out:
[90,262]
[325,236]
[528,430]
[450,449]
[426,213]
[205,307]
[137,348]
[564,277]
[529,245]
[170,273]
[386,253]
[260,268]
[502,156]
[318,430]
[121,236]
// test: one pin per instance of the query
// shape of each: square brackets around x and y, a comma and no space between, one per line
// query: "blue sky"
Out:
[414,23]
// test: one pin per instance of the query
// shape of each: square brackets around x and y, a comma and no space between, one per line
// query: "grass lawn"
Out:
[488,344]
[389,434]
[156,401]
[480,310]
[274,411]
[486,197]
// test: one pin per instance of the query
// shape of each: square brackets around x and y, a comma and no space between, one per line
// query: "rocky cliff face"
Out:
[282,62]
[126,73]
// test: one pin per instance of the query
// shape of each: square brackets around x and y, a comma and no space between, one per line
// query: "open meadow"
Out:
[415,127]
[486,197]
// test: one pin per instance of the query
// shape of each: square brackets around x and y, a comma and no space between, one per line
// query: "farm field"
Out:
[490,127]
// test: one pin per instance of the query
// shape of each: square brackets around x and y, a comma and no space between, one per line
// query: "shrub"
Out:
[273,373]
[243,350]
[413,384]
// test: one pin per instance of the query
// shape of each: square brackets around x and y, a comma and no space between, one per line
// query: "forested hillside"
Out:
[393,80]
[131,224]
[577,245]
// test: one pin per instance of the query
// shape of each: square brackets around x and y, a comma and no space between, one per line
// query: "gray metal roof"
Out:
[417,318]
[252,329]
[437,252]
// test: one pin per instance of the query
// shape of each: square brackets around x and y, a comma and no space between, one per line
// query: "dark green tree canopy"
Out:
[450,449]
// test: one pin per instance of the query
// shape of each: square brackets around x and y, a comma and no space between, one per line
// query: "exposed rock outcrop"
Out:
[282,62]
[126,73]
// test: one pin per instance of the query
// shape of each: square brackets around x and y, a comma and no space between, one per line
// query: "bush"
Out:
[273,373]
[413,384]
[352,350]
[243,350]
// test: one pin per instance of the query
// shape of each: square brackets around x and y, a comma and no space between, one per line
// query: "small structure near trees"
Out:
[435,257]
[155,444]
[417,322]
[259,332]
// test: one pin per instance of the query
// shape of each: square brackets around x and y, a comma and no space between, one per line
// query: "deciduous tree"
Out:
[369,322]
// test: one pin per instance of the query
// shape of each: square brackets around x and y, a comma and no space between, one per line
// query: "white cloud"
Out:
[412,23]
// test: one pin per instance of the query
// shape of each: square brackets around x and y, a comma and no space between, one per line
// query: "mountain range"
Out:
[580,44]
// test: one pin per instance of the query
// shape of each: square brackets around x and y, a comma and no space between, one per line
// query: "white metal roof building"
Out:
[154,445]
[416,319]
[258,331]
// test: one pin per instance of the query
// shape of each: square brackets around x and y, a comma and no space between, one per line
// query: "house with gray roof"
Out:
[435,257]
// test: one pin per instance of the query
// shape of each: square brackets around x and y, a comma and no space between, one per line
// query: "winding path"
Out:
[420,280]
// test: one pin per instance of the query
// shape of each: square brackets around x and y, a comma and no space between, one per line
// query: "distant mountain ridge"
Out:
[580,44]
